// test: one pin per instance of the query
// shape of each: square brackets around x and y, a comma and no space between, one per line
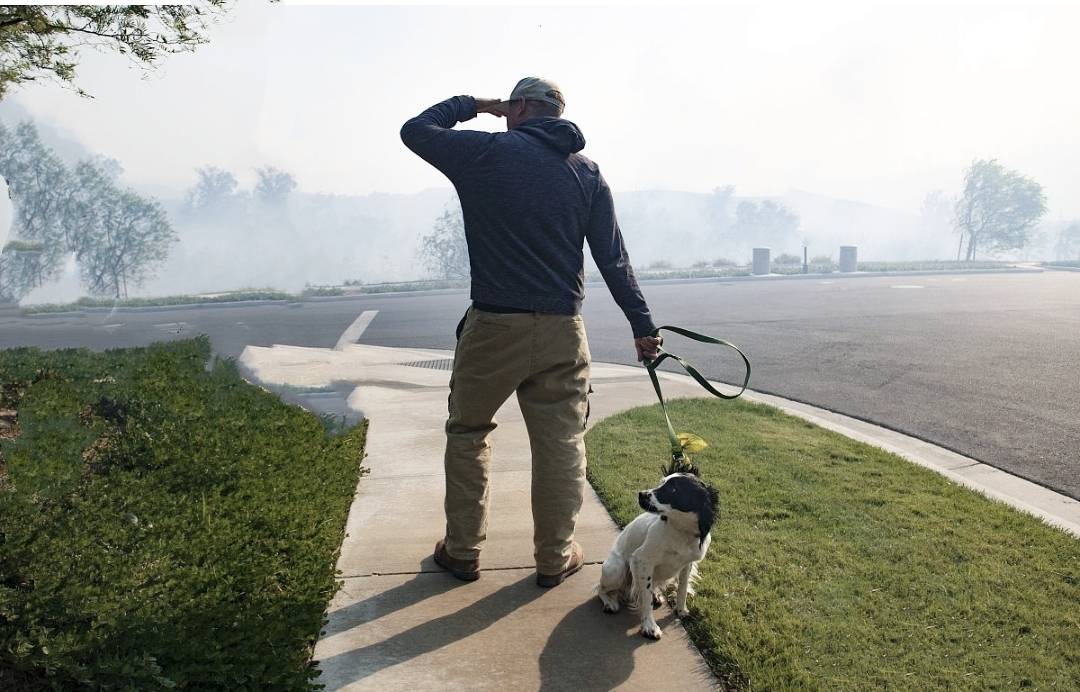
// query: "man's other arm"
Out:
[431,135]
[609,252]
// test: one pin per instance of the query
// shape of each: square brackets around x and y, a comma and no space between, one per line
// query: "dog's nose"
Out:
[642,496]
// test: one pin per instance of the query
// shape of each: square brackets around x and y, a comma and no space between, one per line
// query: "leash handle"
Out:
[651,365]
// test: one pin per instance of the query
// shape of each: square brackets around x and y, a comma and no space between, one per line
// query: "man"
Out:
[529,202]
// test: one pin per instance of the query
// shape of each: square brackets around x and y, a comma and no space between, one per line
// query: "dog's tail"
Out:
[693,578]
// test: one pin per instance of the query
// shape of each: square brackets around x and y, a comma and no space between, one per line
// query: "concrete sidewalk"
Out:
[400,622]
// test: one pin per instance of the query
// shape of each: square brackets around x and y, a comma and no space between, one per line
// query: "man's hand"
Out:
[486,105]
[646,347]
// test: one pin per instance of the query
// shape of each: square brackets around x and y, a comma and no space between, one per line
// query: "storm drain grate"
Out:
[437,364]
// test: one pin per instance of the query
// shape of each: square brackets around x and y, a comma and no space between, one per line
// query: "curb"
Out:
[659,281]
[839,275]
[161,308]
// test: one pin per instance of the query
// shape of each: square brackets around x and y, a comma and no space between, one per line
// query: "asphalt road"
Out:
[985,364]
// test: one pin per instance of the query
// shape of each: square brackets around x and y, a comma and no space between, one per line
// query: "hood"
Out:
[557,133]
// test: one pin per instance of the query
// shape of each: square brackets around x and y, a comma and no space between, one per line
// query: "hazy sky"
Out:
[868,101]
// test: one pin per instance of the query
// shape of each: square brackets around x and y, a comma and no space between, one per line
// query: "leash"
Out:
[677,445]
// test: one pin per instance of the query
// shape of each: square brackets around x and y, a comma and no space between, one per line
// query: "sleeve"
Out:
[609,253]
[432,137]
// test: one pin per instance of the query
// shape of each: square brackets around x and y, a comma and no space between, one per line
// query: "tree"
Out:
[135,238]
[273,186]
[38,183]
[116,235]
[997,210]
[1068,242]
[214,189]
[444,252]
[767,222]
[43,41]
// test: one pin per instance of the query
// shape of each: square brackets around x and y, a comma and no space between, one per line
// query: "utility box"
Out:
[849,258]
[761,261]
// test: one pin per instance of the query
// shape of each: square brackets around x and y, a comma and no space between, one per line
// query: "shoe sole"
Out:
[463,576]
[549,580]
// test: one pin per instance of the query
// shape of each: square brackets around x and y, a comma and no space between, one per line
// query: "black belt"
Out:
[488,307]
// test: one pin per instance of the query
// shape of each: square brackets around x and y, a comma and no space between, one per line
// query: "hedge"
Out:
[163,524]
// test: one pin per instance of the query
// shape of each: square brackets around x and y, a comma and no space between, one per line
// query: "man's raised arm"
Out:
[431,135]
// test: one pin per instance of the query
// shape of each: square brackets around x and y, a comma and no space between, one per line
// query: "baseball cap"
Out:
[534,89]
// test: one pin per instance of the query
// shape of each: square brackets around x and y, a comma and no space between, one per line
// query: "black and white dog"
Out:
[663,542]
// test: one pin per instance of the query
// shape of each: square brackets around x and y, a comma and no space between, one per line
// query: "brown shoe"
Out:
[577,561]
[465,570]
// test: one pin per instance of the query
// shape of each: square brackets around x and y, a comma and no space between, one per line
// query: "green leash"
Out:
[650,365]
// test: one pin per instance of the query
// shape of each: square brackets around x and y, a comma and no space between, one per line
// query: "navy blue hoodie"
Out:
[529,202]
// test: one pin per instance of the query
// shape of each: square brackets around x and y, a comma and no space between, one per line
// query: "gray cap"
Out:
[534,89]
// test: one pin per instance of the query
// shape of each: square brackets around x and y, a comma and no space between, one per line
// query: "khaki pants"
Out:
[545,360]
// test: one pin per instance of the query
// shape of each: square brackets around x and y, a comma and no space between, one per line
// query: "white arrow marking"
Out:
[350,335]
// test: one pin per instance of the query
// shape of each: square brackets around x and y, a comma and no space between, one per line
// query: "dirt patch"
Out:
[9,424]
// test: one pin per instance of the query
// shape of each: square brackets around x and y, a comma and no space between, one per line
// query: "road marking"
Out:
[173,327]
[908,286]
[350,335]
[825,283]
[111,326]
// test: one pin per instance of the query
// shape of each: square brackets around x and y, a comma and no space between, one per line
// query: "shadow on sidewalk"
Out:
[589,650]
[419,588]
[357,664]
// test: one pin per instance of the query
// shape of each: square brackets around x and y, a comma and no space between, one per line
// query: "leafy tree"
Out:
[214,189]
[998,209]
[1068,243]
[38,183]
[125,252]
[43,41]
[444,252]
[767,222]
[21,269]
[273,186]
[116,235]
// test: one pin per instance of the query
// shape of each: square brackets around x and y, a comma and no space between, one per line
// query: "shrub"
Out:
[165,524]
[659,264]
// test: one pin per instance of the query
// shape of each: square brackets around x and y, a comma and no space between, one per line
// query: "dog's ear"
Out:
[707,514]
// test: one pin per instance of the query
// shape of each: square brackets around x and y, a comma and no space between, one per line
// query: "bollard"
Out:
[761,261]
[849,258]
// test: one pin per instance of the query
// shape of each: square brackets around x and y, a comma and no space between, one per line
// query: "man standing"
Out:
[529,202]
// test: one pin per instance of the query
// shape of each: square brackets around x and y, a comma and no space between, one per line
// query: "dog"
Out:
[665,541]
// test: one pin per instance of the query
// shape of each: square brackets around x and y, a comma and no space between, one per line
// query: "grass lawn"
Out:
[163,524]
[838,566]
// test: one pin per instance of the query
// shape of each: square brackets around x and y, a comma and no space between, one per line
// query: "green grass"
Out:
[837,566]
[1063,263]
[164,523]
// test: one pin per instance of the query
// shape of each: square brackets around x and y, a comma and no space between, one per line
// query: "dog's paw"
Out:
[651,631]
[657,600]
[611,608]
[683,613]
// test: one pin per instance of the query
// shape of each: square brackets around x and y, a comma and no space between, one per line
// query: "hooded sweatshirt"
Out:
[529,201]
